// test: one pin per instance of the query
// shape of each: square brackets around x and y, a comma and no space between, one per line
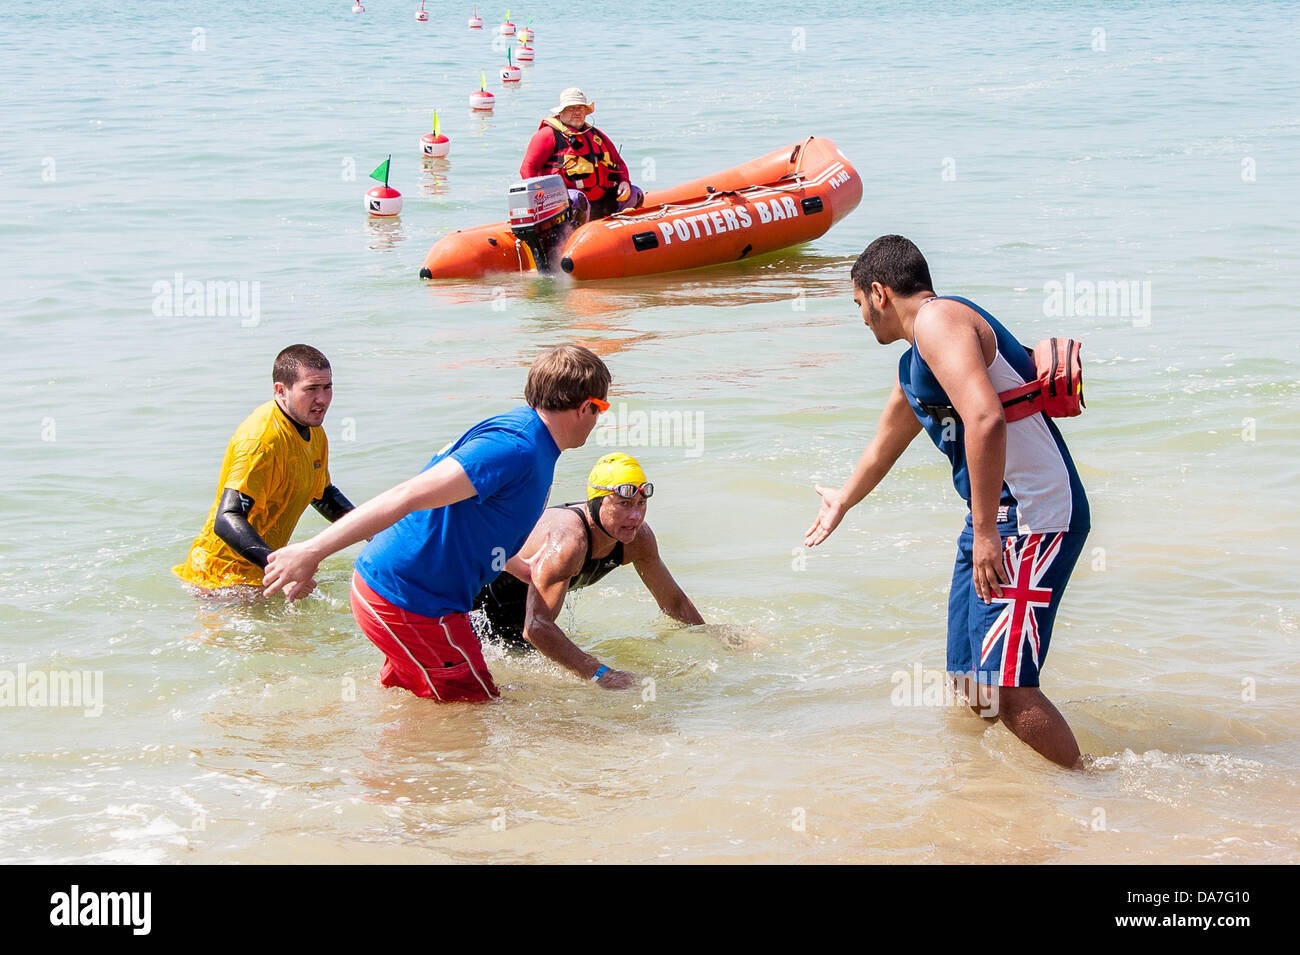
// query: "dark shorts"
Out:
[1004,643]
[500,608]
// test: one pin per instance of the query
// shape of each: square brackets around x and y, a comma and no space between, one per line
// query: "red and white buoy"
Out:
[384,201]
[524,54]
[358,8]
[507,28]
[434,145]
[422,14]
[510,73]
[481,99]
[526,34]
[476,21]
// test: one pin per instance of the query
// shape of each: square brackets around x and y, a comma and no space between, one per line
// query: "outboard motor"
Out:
[542,215]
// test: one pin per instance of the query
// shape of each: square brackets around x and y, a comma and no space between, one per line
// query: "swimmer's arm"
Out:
[332,504]
[443,484]
[546,595]
[897,427]
[231,525]
[654,573]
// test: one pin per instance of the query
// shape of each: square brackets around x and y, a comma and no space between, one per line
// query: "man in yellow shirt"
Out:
[275,465]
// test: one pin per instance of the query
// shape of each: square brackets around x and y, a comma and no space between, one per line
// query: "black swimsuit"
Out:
[504,601]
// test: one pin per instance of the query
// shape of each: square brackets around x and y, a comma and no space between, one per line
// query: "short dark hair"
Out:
[564,377]
[292,360]
[894,262]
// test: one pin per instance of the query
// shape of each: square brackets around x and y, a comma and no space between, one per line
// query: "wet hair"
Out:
[894,262]
[564,377]
[292,360]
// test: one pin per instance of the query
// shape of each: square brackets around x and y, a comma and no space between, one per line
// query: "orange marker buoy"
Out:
[526,33]
[383,201]
[476,21]
[434,145]
[421,14]
[507,28]
[524,54]
[481,99]
[510,73]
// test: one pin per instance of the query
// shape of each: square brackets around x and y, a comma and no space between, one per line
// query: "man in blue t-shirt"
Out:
[437,538]
[1028,516]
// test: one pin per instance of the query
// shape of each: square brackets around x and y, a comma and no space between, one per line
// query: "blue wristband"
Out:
[601,671]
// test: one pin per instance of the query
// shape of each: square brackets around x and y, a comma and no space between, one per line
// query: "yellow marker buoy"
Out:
[481,99]
[434,145]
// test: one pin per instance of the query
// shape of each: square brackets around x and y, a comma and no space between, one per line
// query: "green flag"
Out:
[381,171]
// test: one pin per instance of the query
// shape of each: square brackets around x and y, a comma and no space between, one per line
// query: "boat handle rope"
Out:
[670,208]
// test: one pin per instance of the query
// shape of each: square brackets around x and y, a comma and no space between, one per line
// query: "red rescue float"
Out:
[787,197]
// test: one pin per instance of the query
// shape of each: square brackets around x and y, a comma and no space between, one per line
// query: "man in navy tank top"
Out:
[1027,515]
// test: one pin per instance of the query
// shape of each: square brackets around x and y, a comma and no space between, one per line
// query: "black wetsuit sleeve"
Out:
[332,504]
[232,526]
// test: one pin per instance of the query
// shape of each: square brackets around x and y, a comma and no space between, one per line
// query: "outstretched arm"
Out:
[551,574]
[898,426]
[445,483]
[654,573]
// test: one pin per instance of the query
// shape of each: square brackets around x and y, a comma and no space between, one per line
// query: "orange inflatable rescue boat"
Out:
[790,196]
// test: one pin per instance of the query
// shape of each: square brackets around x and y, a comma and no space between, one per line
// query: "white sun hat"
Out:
[573,97]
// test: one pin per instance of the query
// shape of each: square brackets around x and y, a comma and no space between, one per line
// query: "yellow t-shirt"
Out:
[268,461]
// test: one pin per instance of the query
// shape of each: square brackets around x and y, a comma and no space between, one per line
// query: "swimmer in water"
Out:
[574,546]
[276,464]
[440,536]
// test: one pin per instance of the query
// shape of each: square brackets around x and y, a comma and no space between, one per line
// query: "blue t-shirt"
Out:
[433,562]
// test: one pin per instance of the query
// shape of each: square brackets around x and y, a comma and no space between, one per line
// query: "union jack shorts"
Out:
[1004,643]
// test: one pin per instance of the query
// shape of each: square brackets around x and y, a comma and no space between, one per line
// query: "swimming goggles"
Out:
[627,491]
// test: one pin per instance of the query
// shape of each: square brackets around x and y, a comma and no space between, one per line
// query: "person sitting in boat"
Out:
[565,144]
[575,545]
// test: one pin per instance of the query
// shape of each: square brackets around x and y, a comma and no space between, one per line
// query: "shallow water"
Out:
[1014,153]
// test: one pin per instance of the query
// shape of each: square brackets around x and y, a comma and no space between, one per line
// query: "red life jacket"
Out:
[582,158]
[1057,391]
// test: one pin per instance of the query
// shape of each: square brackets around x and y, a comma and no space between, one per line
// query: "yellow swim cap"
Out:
[611,471]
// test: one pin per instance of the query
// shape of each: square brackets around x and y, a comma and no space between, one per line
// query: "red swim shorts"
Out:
[434,657]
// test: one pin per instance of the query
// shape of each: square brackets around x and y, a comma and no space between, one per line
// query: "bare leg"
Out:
[1035,721]
[981,698]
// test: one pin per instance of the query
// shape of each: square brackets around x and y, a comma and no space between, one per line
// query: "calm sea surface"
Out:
[1031,151]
